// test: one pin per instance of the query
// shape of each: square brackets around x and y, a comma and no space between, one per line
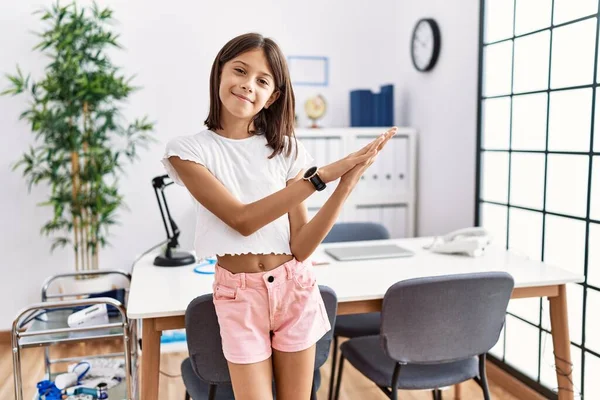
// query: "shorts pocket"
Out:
[224,293]
[305,277]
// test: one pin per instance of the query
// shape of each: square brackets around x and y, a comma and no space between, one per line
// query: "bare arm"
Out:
[305,237]
[244,218]
[248,218]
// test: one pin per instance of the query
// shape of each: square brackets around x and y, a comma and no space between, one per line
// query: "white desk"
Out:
[159,295]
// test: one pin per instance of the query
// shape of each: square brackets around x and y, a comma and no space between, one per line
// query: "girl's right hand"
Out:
[333,171]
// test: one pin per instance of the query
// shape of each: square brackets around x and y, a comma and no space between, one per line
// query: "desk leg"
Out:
[562,343]
[150,359]
[457,391]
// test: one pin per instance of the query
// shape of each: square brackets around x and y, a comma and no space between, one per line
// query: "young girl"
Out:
[250,177]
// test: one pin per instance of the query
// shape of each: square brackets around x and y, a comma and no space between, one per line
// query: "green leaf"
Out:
[76,42]
[59,242]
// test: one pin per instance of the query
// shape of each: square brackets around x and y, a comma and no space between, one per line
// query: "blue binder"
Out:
[361,108]
[385,106]
[372,109]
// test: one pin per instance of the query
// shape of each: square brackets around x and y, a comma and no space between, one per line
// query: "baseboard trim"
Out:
[511,384]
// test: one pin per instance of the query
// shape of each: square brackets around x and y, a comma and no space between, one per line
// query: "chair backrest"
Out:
[204,340]
[355,231]
[324,344]
[444,318]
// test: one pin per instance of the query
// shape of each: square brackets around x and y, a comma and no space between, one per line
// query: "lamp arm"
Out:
[174,228]
[173,235]
[170,258]
[162,212]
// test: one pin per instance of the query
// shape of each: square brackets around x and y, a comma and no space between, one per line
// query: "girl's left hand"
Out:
[351,178]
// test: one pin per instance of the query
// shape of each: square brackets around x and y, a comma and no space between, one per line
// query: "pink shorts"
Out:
[280,309]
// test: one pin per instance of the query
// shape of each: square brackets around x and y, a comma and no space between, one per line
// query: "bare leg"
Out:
[252,381]
[294,373]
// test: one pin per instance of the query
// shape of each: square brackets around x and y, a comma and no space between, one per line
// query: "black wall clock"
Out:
[425,44]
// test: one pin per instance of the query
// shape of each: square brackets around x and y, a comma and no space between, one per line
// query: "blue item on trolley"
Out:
[47,390]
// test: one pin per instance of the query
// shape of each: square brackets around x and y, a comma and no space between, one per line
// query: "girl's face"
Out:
[247,84]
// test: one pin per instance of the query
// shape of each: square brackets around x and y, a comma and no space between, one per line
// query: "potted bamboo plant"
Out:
[81,138]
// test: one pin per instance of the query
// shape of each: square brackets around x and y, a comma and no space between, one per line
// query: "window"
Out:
[538,170]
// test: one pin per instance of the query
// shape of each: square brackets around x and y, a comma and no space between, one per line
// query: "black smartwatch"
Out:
[314,178]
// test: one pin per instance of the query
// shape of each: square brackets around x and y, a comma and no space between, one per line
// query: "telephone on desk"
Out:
[470,241]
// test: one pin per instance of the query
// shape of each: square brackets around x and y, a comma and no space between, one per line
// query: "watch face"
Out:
[425,45]
[310,171]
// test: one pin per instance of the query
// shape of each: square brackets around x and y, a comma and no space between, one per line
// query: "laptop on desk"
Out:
[368,252]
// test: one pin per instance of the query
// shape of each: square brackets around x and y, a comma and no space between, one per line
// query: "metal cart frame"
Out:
[55,330]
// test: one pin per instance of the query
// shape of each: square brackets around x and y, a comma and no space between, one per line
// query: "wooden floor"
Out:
[354,385]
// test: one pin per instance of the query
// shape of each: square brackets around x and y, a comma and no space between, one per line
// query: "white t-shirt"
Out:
[244,168]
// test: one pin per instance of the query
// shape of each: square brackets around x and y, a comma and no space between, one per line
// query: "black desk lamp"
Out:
[170,258]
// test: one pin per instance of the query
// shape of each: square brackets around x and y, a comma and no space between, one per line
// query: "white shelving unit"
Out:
[387,191]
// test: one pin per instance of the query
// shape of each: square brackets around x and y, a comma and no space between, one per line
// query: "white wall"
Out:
[171,46]
[442,105]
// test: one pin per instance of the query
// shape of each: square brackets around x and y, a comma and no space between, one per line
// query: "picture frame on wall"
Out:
[309,70]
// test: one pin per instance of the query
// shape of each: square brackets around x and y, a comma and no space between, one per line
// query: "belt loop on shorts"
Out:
[243,280]
[288,268]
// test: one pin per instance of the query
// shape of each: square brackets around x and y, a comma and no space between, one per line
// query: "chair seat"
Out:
[198,389]
[356,325]
[367,356]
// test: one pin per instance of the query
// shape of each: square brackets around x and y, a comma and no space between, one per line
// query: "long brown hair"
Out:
[277,121]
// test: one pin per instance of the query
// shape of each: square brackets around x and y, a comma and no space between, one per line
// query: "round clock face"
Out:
[425,44]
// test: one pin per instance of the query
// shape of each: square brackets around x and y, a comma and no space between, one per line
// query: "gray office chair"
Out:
[355,325]
[435,332]
[205,373]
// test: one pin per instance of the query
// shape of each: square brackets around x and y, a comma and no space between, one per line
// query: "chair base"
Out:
[437,393]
